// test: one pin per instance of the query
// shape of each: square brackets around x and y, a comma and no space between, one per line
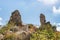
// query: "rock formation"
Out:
[42,19]
[45,24]
[16,18]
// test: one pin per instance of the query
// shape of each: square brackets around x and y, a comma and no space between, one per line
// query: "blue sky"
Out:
[30,10]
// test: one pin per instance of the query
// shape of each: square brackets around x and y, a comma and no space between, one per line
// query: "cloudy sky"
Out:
[30,10]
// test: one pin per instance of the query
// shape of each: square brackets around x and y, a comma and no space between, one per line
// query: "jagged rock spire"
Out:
[16,18]
[42,19]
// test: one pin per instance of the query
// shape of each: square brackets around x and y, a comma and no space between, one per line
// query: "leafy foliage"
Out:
[45,33]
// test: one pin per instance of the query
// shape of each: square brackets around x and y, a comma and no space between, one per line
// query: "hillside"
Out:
[16,30]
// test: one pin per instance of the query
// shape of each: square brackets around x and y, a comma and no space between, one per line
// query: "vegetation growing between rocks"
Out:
[15,30]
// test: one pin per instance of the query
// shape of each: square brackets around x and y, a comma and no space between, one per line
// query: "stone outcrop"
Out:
[45,24]
[16,18]
[24,30]
[42,19]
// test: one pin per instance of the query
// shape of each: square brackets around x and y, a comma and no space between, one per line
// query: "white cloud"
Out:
[48,2]
[58,26]
[1,21]
[55,10]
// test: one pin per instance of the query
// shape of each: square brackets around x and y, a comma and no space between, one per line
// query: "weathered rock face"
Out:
[44,24]
[42,19]
[16,18]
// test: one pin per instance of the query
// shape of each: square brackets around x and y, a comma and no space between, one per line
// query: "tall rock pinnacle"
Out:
[16,18]
[42,19]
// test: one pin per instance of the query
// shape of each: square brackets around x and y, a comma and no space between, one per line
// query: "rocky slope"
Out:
[15,30]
